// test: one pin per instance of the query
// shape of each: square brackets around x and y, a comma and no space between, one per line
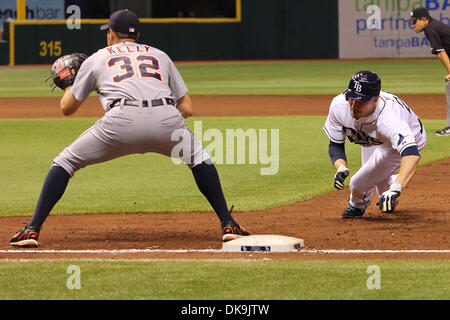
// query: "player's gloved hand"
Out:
[340,176]
[388,199]
[65,69]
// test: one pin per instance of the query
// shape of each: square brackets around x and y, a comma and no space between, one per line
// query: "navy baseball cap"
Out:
[363,86]
[123,21]
[420,13]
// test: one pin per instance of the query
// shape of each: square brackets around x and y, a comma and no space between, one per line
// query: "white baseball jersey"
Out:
[110,70]
[384,135]
[392,125]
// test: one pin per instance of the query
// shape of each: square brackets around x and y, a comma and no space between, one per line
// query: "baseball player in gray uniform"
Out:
[391,136]
[146,101]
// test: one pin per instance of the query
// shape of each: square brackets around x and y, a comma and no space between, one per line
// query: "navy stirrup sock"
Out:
[208,183]
[54,186]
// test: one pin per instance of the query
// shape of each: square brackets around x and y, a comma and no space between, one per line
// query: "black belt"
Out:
[143,103]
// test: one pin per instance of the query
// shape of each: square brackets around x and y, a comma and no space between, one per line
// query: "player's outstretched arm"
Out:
[68,102]
[184,105]
[341,174]
[339,160]
[388,199]
[408,168]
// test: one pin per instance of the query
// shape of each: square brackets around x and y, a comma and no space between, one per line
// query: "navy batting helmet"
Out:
[363,86]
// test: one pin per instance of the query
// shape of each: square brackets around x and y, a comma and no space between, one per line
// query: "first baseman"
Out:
[391,136]
[146,101]
[438,34]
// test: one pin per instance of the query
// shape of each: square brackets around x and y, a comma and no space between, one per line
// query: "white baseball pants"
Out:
[377,171]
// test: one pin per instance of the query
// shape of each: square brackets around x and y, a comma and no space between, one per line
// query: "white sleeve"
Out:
[85,81]
[333,128]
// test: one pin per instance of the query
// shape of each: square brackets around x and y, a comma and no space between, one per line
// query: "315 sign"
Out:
[50,48]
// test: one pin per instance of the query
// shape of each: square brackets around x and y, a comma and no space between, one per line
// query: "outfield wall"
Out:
[4,53]
[264,29]
[385,31]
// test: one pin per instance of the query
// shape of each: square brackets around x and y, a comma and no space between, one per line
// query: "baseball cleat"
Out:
[232,230]
[443,132]
[26,238]
[352,213]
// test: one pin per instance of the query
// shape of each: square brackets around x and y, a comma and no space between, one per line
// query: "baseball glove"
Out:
[65,69]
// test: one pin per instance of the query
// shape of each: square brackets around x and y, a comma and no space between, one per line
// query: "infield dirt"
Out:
[427,106]
[422,220]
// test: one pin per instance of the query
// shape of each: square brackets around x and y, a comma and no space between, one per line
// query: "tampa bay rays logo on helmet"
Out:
[363,86]
[357,86]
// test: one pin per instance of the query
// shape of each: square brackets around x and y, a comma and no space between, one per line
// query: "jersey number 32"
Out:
[145,65]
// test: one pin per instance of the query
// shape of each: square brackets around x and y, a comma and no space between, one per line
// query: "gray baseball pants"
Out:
[447,91]
[127,130]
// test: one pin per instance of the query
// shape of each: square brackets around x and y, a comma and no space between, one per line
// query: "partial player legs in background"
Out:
[447,92]
[446,130]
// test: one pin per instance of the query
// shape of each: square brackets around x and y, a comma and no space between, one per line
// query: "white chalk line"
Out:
[131,251]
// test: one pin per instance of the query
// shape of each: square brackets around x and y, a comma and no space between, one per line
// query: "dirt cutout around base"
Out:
[421,222]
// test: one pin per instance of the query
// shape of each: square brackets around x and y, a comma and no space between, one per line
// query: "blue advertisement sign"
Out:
[35,9]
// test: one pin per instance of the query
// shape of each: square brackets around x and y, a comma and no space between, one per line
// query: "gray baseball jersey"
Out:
[131,71]
[128,77]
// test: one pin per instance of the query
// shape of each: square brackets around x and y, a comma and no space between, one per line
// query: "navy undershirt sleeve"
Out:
[336,151]
[410,151]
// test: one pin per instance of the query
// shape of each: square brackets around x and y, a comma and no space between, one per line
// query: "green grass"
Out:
[305,77]
[315,77]
[198,280]
[152,183]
